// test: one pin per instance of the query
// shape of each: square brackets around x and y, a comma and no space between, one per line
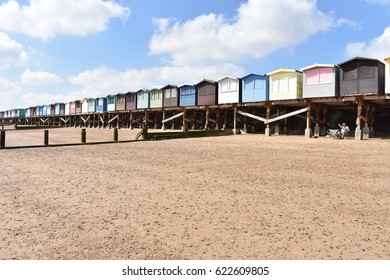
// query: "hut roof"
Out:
[318,65]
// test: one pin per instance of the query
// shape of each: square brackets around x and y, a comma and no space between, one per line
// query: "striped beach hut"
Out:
[229,90]
[111,102]
[156,98]
[387,74]
[120,102]
[142,99]
[59,109]
[101,104]
[361,75]
[131,100]
[52,109]
[187,95]
[171,96]
[285,84]
[67,109]
[255,88]
[207,92]
[321,80]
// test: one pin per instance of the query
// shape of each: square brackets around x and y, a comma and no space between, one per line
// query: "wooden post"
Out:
[217,120]
[268,116]
[225,119]
[184,120]
[324,119]
[173,121]
[366,129]
[146,119]
[235,119]
[372,120]
[358,130]
[308,120]
[194,119]
[131,120]
[2,138]
[115,134]
[163,116]
[83,136]
[155,120]
[317,127]
[46,137]
[206,126]
[277,126]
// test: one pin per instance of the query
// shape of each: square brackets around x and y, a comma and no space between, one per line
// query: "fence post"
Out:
[116,134]
[83,136]
[46,137]
[2,139]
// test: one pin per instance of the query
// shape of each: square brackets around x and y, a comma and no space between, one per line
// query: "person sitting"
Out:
[344,130]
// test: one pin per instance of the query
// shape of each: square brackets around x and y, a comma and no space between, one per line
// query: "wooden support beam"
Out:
[85,120]
[251,116]
[300,111]
[217,120]
[65,120]
[173,117]
[163,117]
[114,118]
[184,128]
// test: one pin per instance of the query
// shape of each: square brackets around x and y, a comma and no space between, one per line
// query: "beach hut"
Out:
[46,110]
[142,99]
[111,102]
[67,109]
[59,109]
[229,90]
[131,100]
[207,92]
[187,95]
[171,97]
[39,111]
[362,75]
[19,113]
[84,105]
[156,98]
[255,88]
[101,104]
[91,105]
[72,107]
[120,102]
[285,84]
[321,80]
[387,74]
[78,106]
[33,111]
[28,112]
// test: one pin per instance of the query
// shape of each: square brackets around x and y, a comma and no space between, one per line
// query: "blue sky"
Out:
[59,51]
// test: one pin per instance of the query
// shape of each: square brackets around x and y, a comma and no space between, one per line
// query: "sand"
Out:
[231,197]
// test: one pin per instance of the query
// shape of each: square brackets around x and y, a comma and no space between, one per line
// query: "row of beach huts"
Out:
[357,76]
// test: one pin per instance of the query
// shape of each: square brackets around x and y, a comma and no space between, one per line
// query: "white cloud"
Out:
[46,19]
[103,81]
[9,94]
[39,78]
[382,2]
[259,28]
[12,53]
[378,47]
[348,22]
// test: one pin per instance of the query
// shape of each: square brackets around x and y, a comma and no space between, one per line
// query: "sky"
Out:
[60,51]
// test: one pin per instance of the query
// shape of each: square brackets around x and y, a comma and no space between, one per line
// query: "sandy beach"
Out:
[230,197]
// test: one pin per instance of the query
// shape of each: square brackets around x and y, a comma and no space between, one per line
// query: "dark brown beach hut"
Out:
[362,75]
[207,92]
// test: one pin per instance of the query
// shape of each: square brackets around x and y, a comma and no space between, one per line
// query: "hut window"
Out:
[350,72]
[312,77]
[283,85]
[167,93]
[174,92]
[325,75]
[292,84]
[275,86]
[366,72]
